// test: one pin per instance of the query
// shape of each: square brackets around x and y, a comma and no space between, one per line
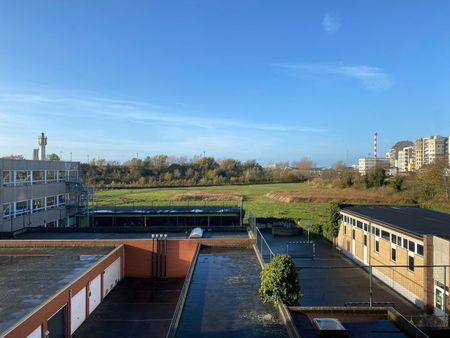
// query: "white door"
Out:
[111,277]
[36,333]
[94,293]
[77,310]
[365,249]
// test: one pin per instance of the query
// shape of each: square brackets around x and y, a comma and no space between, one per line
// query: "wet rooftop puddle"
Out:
[223,298]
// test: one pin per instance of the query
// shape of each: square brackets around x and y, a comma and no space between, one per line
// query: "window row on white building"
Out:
[14,209]
[408,244]
[28,177]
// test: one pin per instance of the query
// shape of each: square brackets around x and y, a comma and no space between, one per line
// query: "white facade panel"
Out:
[94,293]
[77,310]
[111,277]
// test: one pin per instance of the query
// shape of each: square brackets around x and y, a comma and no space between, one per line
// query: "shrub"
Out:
[279,282]
[397,183]
[332,224]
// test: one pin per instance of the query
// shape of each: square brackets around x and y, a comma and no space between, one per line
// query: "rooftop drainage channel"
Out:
[222,299]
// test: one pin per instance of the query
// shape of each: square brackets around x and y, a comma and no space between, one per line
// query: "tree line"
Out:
[163,170]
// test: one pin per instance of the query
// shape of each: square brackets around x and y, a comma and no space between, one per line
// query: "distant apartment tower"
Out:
[367,163]
[405,161]
[427,149]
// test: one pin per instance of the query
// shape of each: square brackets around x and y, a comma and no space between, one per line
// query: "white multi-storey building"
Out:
[367,163]
[38,193]
[405,162]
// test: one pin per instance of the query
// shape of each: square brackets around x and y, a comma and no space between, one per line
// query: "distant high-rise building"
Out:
[405,161]
[427,149]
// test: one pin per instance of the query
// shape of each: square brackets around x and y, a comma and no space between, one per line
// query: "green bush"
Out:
[332,225]
[397,183]
[279,282]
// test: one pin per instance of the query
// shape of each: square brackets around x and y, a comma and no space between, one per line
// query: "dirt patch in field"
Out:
[338,195]
[214,195]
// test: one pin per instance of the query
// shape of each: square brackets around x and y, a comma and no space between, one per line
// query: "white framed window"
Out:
[38,204]
[23,177]
[7,176]
[419,248]
[393,254]
[7,212]
[61,175]
[22,207]
[51,176]
[411,263]
[51,202]
[38,176]
[61,200]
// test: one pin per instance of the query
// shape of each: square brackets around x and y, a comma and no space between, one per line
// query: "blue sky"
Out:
[264,80]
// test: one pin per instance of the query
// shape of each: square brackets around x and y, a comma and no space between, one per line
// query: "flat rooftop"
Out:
[417,221]
[31,275]
[166,210]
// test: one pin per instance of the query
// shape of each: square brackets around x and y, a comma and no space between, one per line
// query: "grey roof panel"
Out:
[410,219]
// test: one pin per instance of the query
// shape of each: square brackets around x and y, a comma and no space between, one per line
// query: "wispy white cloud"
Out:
[373,78]
[117,129]
[331,23]
[135,112]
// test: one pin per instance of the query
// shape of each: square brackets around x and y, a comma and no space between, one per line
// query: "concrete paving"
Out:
[334,287]
[135,308]
[31,275]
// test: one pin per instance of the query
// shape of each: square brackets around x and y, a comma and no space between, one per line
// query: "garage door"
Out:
[56,325]
[111,277]
[77,310]
[94,293]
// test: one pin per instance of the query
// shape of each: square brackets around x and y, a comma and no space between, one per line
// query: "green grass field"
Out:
[254,195]
[255,200]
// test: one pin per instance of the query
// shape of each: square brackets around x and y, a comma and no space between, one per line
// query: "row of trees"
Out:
[162,170]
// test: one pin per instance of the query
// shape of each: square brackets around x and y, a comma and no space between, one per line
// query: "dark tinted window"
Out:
[411,263]
[420,249]
[385,235]
[405,243]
